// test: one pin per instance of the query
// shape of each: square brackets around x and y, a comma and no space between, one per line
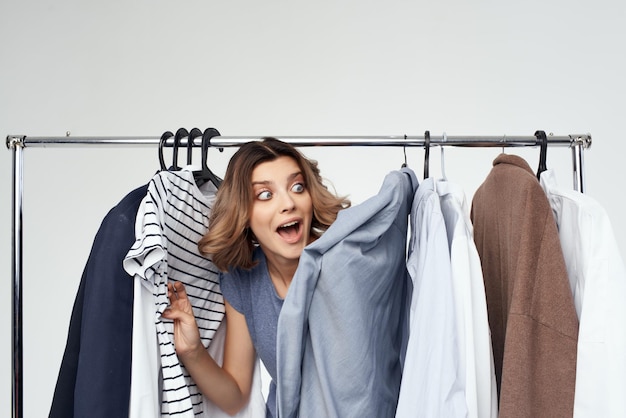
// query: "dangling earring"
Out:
[250,235]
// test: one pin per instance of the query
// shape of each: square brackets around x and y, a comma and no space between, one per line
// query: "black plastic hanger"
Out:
[180,134]
[205,174]
[193,134]
[404,164]
[166,135]
[426,152]
[541,135]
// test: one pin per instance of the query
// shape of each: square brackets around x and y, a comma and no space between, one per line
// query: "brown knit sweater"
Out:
[534,327]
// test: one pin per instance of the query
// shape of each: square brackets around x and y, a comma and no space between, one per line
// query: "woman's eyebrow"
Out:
[295,175]
[266,182]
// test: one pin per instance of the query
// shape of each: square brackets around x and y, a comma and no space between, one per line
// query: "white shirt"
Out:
[474,336]
[433,378]
[598,280]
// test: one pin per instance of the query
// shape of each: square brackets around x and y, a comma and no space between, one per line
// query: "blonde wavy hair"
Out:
[229,242]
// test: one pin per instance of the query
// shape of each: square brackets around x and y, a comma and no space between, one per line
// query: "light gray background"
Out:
[139,68]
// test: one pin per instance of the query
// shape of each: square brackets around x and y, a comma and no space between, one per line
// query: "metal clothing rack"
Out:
[17,143]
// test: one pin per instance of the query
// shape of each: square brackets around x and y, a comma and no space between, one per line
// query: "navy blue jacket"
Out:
[94,377]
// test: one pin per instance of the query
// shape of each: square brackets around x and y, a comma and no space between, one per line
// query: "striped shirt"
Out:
[170,222]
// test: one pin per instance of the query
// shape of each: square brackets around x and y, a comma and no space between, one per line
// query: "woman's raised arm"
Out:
[229,386]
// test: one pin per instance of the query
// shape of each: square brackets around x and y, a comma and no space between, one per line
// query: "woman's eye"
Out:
[297,188]
[264,195]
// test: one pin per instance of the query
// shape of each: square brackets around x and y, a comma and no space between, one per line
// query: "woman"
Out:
[271,204]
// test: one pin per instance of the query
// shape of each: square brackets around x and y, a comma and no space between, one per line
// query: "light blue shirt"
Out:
[341,328]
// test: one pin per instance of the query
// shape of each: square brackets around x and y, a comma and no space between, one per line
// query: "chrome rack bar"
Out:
[408,141]
[363,140]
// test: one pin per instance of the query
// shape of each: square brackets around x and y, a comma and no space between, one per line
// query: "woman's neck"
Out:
[281,275]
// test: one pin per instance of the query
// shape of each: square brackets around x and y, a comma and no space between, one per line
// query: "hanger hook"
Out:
[193,134]
[443,160]
[541,136]
[426,152]
[206,143]
[404,150]
[180,133]
[166,135]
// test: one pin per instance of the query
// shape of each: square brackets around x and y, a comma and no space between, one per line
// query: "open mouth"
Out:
[289,231]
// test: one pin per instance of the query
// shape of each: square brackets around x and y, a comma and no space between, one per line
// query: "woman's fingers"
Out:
[175,291]
[179,302]
[186,334]
[179,289]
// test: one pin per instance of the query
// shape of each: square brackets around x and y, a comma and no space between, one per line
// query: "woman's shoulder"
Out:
[241,286]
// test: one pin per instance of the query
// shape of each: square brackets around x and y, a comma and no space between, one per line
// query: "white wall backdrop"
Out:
[139,68]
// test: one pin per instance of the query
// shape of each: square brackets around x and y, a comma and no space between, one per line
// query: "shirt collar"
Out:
[513,160]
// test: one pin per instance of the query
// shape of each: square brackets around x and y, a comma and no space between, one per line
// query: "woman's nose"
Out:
[287,203]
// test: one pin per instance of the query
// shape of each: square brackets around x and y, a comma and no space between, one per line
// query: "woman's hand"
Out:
[228,387]
[186,335]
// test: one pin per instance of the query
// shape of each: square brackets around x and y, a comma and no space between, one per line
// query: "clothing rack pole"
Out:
[580,145]
[17,383]
[17,143]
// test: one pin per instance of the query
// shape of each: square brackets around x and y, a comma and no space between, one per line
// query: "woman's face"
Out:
[282,209]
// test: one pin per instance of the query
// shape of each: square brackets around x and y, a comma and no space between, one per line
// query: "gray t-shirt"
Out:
[252,293]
